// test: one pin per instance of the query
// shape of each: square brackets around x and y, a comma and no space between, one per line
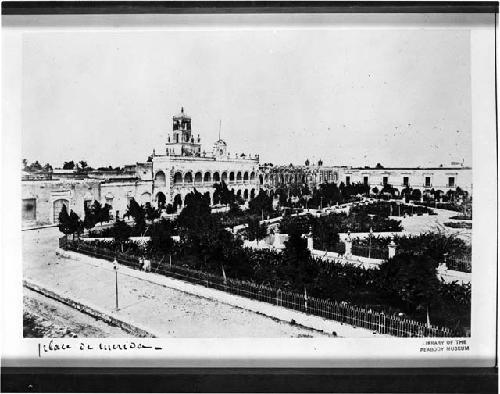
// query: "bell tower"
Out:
[182,143]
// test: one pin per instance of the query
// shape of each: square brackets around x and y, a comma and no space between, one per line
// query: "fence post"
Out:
[392,249]
[348,245]
[310,243]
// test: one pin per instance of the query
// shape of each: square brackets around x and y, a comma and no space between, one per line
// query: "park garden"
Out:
[404,285]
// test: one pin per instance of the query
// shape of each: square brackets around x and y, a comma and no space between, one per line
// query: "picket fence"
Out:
[339,311]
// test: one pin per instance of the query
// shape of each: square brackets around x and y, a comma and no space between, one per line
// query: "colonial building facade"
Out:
[183,167]
[424,179]
[166,178]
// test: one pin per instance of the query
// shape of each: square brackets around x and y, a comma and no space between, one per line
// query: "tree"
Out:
[169,209]
[69,224]
[222,194]
[64,222]
[262,204]
[161,236]
[89,219]
[75,223]
[255,230]
[83,166]
[234,209]
[33,167]
[122,232]
[69,165]
[150,212]
[412,279]
[416,194]
[137,212]
[104,214]
[196,210]
[296,256]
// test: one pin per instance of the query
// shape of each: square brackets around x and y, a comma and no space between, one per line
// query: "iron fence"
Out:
[339,311]
[373,252]
[459,264]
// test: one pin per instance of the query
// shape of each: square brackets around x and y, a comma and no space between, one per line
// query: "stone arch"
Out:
[224,176]
[57,207]
[177,201]
[160,199]
[238,193]
[231,176]
[245,176]
[238,176]
[207,177]
[261,179]
[245,194]
[160,179]
[198,177]
[252,175]
[188,177]
[216,177]
[252,194]
[177,177]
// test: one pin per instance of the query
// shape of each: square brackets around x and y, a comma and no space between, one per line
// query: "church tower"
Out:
[183,142]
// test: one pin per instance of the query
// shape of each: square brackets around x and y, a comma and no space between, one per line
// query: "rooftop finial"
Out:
[220,125]
[182,110]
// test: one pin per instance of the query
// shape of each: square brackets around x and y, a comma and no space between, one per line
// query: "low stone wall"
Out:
[91,311]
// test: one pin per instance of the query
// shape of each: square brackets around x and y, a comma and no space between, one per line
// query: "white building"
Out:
[167,178]
[183,167]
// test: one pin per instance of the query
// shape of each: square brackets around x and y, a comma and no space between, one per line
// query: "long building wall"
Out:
[43,200]
[443,179]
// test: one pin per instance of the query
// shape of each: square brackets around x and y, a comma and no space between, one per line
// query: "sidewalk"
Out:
[264,308]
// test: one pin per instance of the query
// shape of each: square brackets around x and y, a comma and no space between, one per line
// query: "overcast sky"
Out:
[350,97]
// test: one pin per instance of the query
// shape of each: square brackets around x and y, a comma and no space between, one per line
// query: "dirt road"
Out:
[165,311]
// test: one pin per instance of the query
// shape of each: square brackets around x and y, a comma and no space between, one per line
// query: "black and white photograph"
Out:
[311,178]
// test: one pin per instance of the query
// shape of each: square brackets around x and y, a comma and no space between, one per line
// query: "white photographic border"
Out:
[303,352]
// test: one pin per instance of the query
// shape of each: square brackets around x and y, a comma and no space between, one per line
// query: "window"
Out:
[347,180]
[406,181]
[451,181]
[365,180]
[109,201]
[427,181]
[87,204]
[385,180]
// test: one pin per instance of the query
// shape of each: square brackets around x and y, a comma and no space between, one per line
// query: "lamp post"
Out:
[370,247]
[115,268]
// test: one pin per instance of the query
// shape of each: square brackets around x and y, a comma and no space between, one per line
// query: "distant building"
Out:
[424,179]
